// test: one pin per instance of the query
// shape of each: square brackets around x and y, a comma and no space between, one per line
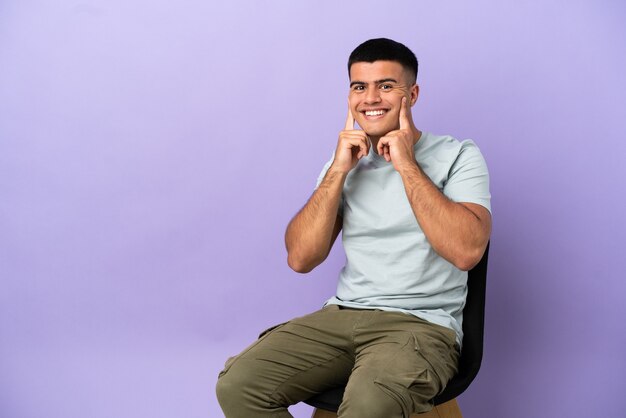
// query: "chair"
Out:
[327,403]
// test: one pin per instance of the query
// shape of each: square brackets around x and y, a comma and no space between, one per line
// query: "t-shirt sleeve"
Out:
[321,177]
[468,179]
[323,173]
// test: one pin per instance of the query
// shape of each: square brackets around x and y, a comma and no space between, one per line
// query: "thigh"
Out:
[296,360]
[402,359]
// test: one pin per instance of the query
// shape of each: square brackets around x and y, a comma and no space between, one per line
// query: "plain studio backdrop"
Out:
[152,153]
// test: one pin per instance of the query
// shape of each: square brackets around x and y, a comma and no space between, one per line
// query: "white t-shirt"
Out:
[390,265]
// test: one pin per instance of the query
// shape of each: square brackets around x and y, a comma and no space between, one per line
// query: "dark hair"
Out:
[383,49]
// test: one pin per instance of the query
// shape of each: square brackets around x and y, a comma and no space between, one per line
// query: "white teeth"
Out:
[374,112]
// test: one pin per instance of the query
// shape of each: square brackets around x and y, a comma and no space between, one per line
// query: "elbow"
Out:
[299,265]
[465,264]
[468,259]
[304,262]
[299,268]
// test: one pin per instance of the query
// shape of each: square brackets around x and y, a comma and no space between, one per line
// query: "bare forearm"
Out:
[313,230]
[458,232]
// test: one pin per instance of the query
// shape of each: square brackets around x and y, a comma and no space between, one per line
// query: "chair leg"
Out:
[449,409]
[322,413]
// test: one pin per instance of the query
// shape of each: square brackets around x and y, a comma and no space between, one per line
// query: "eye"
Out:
[358,87]
[386,87]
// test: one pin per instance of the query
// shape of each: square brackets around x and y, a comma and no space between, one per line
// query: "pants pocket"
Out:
[409,378]
[440,355]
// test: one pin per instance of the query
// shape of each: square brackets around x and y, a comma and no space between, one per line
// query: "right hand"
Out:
[353,145]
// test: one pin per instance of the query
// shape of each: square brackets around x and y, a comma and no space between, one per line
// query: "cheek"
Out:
[398,95]
[394,98]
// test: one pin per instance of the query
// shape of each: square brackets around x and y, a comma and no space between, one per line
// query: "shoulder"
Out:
[438,144]
[446,147]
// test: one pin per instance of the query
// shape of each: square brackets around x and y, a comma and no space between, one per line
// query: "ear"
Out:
[415,91]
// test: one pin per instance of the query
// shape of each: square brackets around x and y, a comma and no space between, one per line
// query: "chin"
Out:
[375,128]
[376,132]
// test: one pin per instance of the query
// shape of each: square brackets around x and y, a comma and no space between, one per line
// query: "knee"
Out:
[225,386]
[227,391]
[242,389]
[232,385]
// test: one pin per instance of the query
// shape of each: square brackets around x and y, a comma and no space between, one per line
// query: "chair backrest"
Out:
[471,355]
[473,332]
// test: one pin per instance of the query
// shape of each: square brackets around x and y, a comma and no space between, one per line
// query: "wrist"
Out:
[409,168]
[338,170]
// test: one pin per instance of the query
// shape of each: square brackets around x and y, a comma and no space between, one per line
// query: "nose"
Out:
[372,96]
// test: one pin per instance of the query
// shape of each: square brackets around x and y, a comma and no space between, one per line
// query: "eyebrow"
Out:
[384,80]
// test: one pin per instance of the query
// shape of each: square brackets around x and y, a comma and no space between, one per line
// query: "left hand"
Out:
[397,146]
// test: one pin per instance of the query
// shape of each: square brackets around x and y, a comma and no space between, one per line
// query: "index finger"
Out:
[349,120]
[404,117]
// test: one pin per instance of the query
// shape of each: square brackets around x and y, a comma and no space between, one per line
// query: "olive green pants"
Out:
[393,364]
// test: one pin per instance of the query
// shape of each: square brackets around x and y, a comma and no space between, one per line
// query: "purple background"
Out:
[152,153]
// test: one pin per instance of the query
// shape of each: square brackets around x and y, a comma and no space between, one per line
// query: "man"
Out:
[415,213]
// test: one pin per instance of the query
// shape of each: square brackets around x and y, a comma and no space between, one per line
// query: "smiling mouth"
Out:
[374,113]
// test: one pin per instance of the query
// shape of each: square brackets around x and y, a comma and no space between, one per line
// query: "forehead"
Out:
[377,70]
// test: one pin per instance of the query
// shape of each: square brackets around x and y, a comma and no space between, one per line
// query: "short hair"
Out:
[383,49]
